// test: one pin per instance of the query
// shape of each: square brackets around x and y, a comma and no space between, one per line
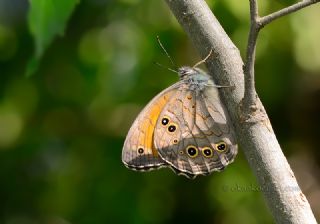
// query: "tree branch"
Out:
[257,139]
[293,8]
[256,24]
[249,90]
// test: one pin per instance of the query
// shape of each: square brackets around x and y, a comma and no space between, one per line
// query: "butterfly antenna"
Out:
[162,66]
[203,60]
[165,51]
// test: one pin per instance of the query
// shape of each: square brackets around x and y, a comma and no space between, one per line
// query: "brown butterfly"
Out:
[185,127]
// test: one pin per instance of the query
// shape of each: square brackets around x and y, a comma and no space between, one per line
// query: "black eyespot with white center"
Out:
[207,152]
[140,150]
[221,146]
[172,128]
[192,151]
[165,121]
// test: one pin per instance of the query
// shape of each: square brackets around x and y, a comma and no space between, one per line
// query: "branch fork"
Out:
[256,24]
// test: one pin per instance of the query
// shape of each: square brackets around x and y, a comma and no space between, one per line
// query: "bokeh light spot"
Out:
[11,126]
[306,41]
[8,43]
[22,95]
[89,49]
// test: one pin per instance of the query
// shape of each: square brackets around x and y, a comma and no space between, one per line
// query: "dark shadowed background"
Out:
[62,129]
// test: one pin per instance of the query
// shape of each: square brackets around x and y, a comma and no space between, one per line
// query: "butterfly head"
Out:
[194,78]
[187,72]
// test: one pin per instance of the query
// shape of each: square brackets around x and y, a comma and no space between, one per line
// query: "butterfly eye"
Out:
[140,150]
[221,146]
[165,121]
[172,127]
[207,152]
[192,151]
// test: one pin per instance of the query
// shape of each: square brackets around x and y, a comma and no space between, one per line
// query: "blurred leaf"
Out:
[46,19]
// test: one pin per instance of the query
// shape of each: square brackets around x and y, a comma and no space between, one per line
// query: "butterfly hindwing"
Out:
[192,148]
[221,119]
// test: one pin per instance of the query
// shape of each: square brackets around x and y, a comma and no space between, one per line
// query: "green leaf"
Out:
[46,20]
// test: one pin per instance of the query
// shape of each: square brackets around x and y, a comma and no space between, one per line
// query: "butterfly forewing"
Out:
[139,152]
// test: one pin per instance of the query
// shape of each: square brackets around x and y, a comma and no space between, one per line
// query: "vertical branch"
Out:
[249,83]
[256,24]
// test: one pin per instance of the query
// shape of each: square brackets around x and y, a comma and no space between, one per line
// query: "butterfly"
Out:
[185,127]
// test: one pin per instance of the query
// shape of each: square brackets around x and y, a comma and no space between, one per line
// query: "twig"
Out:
[256,24]
[249,90]
[258,141]
[293,8]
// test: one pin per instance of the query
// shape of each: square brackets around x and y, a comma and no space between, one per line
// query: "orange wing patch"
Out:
[148,123]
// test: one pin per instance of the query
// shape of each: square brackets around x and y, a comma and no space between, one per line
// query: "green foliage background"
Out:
[62,129]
